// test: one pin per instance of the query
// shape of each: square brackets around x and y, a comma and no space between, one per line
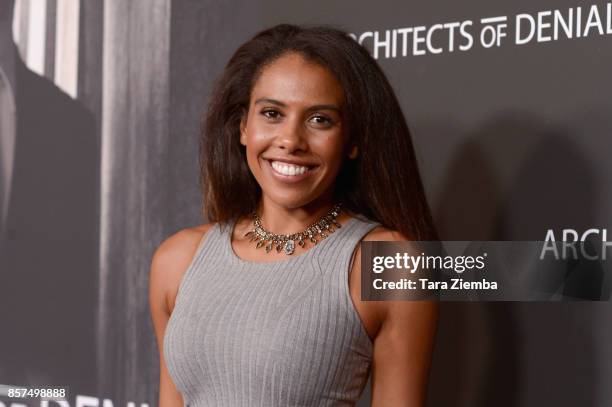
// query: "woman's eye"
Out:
[318,119]
[271,114]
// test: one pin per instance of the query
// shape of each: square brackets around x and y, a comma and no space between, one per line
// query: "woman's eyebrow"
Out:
[311,108]
[324,107]
[271,101]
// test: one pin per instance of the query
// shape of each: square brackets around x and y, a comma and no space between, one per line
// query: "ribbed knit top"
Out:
[280,333]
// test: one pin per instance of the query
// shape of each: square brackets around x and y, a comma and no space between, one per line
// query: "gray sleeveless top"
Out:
[279,333]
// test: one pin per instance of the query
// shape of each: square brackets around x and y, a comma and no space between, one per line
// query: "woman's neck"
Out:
[281,220]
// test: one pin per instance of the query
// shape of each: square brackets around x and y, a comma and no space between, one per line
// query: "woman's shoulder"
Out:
[181,245]
[172,258]
[381,233]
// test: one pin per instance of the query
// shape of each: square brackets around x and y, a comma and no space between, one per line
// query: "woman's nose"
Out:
[291,136]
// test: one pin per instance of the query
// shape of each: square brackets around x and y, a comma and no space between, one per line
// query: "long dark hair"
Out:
[382,183]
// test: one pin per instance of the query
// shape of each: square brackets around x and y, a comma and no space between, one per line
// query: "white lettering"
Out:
[519,20]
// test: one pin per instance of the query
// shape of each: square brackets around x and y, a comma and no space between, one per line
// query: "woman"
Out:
[259,307]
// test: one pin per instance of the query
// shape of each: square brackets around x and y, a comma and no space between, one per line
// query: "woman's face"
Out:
[294,132]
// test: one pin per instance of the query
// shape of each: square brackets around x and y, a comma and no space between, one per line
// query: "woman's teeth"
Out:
[288,169]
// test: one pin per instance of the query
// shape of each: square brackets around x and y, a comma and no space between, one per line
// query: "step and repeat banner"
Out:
[510,112]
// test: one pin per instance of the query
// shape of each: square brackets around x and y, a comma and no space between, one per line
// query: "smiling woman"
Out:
[304,152]
[295,141]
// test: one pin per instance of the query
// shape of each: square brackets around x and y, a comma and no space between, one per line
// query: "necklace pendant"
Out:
[289,247]
[286,243]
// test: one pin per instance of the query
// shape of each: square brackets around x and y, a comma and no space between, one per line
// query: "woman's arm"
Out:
[403,343]
[402,353]
[169,263]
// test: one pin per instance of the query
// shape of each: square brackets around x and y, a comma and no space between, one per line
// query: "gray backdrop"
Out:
[512,141]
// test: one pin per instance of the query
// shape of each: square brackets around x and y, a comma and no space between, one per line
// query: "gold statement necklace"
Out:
[320,228]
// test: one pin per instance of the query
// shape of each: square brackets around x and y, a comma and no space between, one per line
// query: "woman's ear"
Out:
[353,152]
[243,130]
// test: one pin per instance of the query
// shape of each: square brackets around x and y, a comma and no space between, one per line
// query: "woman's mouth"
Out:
[288,172]
[288,169]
